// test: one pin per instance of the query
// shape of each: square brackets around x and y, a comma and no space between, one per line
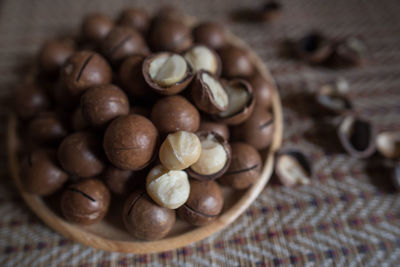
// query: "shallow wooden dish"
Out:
[111,236]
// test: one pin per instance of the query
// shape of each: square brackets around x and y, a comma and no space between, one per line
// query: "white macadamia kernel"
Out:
[180,150]
[291,172]
[167,69]
[388,144]
[238,98]
[169,189]
[218,92]
[213,157]
[202,58]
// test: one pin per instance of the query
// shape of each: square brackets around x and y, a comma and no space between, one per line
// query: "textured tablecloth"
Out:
[347,217]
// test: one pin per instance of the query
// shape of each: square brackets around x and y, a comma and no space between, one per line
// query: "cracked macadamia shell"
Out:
[167,73]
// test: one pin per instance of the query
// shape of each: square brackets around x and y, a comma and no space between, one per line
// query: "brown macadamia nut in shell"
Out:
[53,54]
[136,18]
[130,142]
[235,62]
[204,205]
[175,113]
[42,174]
[245,167]
[80,154]
[101,104]
[211,34]
[95,27]
[85,202]
[144,219]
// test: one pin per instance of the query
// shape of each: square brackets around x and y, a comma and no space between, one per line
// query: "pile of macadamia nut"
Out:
[146,109]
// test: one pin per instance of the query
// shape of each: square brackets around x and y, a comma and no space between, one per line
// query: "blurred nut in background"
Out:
[53,54]
[292,167]
[211,34]
[136,18]
[235,62]
[357,136]
[95,27]
[47,128]
[388,144]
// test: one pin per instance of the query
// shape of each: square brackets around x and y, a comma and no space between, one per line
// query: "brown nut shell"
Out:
[245,167]
[211,34]
[101,104]
[131,77]
[80,154]
[235,62]
[85,69]
[257,130]
[130,142]
[29,100]
[208,93]
[47,128]
[95,27]
[175,113]
[122,182]
[204,204]
[169,89]
[136,18]
[299,170]
[357,136]
[208,157]
[217,127]
[42,174]
[314,48]
[85,202]
[235,115]
[121,43]
[263,90]
[53,54]
[144,219]
[170,35]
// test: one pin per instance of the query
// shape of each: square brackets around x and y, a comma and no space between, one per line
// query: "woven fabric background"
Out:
[348,216]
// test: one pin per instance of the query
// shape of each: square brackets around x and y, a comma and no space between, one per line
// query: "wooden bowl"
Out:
[111,236]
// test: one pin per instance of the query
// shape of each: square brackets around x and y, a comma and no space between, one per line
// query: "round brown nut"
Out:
[211,34]
[121,43]
[144,219]
[314,48]
[292,167]
[47,127]
[175,113]
[53,54]
[169,189]
[204,204]
[102,104]
[136,18]
[263,90]
[214,159]
[30,99]
[131,77]
[79,154]
[208,93]
[167,73]
[170,35]
[216,127]
[95,27]
[130,142]
[180,150]
[241,102]
[83,70]
[122,182]
[85,202]
[388,144]
[201,57]
[257,130]
[235,62]
[357,136]
[245,167]
[42,174]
